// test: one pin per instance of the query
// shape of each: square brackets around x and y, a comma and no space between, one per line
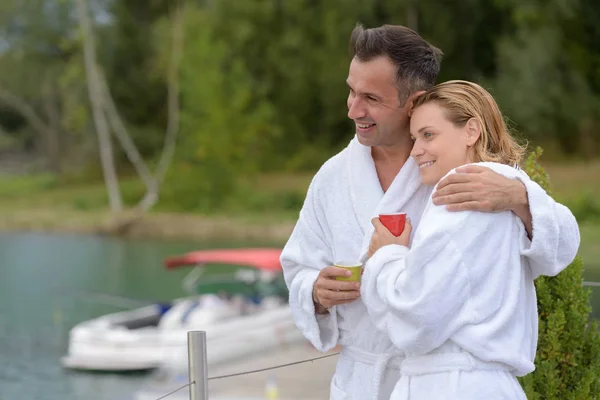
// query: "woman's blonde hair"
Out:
[464,100]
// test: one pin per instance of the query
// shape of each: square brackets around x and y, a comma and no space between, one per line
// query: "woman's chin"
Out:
[428,178]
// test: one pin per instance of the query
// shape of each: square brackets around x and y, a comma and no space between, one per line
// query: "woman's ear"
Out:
[473,131]
[411,101]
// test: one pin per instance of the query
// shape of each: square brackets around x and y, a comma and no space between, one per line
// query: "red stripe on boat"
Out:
[261,258]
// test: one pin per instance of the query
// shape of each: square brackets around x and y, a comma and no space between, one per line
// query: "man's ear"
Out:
[473,128]
[411,101]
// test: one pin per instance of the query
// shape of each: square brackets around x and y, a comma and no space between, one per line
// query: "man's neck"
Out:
[388,162]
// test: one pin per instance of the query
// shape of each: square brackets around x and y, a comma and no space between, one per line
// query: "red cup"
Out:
[394,222]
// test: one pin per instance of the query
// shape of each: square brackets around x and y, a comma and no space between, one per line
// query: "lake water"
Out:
[48,283]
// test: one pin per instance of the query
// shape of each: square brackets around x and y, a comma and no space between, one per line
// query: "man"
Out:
[391,66]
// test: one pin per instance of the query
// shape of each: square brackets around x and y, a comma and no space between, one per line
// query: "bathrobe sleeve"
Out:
[556,236]
[420,297]
[305,254]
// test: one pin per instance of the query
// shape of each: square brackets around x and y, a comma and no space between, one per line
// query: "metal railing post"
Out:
[197,365]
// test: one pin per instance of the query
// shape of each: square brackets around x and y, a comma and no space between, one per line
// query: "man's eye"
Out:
[371,98]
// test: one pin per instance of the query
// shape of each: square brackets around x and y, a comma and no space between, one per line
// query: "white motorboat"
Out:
[251,317]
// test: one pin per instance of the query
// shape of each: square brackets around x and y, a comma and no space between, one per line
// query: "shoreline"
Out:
[154,225]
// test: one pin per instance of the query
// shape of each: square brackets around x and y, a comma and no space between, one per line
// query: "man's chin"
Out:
[365,141]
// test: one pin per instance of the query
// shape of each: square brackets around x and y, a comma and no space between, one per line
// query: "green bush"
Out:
[568,353]
[585,207]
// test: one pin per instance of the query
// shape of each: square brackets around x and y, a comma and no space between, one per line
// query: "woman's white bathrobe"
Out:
[335,223]
[460,304]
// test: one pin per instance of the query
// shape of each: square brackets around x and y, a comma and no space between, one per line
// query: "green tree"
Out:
[547,76]
[568,353]
[224,119]
[38,52]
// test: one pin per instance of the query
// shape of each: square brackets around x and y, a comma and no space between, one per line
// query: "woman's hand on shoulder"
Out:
[383,237]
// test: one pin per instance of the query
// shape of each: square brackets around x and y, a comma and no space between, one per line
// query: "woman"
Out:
[460,303]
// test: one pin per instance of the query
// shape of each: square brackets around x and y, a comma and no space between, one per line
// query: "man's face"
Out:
[373,103]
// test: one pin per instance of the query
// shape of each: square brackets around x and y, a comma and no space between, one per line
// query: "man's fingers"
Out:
[454,179]
[464,174]
[332,272]
[331,284]
[338,302]
[456,198]
[454,188]
[469,206]
[334,297]
[472,169]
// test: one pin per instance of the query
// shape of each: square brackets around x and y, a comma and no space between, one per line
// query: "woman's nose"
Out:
[417,149]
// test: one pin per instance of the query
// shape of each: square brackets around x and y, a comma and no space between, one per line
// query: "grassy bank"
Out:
[266,211]
[590,246]
[154,225]
[44,204]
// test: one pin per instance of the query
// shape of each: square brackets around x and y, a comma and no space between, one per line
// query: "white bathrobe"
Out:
[460,304]
[335,223]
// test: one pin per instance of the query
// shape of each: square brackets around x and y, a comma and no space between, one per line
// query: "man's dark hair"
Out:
[417,62]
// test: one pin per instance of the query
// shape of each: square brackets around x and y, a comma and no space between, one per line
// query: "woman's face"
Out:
[439,145]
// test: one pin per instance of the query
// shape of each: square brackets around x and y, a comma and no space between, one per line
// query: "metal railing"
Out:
[198,367]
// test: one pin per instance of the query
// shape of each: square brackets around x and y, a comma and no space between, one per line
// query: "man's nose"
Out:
[356,109]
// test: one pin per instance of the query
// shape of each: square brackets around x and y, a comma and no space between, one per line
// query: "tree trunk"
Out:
[120,131]
[152,181]
[95,94]
[173,94]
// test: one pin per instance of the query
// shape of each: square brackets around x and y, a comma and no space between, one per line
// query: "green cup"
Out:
[354,267]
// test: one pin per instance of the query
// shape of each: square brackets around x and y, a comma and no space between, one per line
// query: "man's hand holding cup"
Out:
[335,285]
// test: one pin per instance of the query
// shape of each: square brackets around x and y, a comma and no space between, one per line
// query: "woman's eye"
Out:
[427,135]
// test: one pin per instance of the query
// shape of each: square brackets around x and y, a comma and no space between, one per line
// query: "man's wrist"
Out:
[520,206]
[520,201]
